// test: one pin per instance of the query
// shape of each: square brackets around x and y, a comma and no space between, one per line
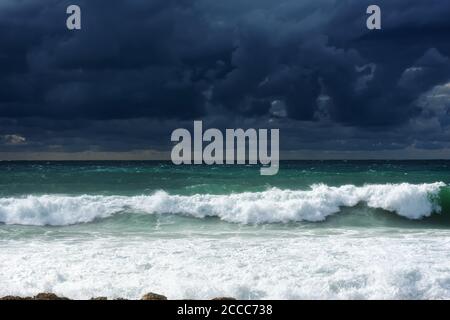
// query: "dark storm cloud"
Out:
[126,62]
[311,65]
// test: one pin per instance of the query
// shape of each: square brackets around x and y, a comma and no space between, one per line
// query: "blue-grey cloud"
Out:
[303,63]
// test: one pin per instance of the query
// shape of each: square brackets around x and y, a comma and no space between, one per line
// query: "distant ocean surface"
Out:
[317,230]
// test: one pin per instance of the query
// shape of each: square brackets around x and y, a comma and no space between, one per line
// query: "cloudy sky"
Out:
[139,69]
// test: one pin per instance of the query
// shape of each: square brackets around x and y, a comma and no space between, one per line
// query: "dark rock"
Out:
[99,298]
[223,298]
[11,298]
[153,296]
[48,296]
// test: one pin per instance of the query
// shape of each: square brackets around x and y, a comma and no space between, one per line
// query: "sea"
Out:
[316,230]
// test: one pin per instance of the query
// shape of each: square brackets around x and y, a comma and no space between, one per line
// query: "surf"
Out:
[315,204]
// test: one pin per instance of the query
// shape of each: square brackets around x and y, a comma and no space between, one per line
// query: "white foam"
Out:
[360,264]
[413,201]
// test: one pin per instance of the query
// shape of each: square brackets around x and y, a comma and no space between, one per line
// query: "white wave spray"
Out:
[413,201]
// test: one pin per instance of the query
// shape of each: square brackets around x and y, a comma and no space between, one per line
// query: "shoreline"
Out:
[52,296]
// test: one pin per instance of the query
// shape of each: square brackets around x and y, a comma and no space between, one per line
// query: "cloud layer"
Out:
[139,69]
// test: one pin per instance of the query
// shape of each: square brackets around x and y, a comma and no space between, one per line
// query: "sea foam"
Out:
[298,265]
[413,201]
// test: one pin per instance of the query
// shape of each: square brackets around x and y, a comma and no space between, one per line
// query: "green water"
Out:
[331,229]
[132,178]
[19,180]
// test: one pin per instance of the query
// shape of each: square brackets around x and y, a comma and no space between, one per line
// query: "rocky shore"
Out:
[52,296]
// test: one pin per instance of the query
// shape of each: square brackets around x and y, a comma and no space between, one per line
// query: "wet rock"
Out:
[153,296]
[48,296]
[15,298]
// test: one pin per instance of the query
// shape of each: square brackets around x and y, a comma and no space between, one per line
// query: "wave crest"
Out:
[413,201]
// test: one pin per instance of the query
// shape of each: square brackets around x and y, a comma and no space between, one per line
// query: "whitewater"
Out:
[271,206]
[283,265]
[317,230]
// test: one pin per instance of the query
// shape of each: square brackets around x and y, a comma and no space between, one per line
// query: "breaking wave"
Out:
[412,201]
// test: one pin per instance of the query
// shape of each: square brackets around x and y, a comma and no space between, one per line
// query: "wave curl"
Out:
[412,201]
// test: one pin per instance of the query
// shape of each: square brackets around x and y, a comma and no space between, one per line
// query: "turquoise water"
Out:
[132,178]
[19,180]
[83,229]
